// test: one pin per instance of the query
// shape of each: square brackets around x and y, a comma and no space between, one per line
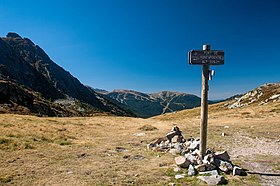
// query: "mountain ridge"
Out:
[148,105]
[24,63]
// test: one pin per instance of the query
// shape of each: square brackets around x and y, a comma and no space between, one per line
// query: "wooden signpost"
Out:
[205,57]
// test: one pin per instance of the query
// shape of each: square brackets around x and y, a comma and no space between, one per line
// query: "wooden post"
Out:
[204,106]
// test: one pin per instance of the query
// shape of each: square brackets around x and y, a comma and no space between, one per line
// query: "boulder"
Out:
[182,162]
[213,180]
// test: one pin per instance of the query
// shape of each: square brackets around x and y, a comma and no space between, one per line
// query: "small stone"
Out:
[182,162]
[194,145]
[212,173]
[209,158]
[238,171]
[187,144]
[210,167]
[179,147]
[223,165]
[170,135]
[191,158]
[180,176]
[151,146]
[191,170]
[222,155]
[174,152]
[172,184]
[176,169]
[175,129]
[223,134]
[195,153]
[200,168]
[213,180]
[177,139]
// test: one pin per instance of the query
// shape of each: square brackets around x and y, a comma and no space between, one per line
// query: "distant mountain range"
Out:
[31,83]
[26,69]
[147,105]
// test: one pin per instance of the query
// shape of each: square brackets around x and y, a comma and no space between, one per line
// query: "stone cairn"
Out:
[186,152]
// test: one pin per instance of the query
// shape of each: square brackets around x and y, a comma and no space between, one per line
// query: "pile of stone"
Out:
[188,157]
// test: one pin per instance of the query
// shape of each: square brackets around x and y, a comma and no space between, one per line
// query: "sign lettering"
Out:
[211,57]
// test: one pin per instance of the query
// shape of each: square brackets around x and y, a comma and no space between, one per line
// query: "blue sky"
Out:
[142,44]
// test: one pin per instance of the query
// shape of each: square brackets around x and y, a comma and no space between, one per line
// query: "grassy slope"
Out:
[105,150]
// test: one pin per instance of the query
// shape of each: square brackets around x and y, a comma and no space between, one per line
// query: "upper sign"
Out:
[211,57]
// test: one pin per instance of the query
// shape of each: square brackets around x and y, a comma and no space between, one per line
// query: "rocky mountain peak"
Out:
[13,35]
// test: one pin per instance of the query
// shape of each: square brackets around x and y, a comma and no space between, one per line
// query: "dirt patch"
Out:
[263,158]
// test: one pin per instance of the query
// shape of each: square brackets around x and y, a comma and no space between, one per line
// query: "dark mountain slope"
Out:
[26,64]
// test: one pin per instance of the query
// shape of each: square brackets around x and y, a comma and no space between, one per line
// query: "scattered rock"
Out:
[213,180]
[121,149]
[194,145]
[223,165]
[180,176]
[139,157]
[191,170]
[139,134]
[174,152]
[222,156]
[238,171]
[82,155]
[126,156]
[211,173]
[182,162]
[191,158]
[174,131]
[176,169]
[177,139]
[200,168]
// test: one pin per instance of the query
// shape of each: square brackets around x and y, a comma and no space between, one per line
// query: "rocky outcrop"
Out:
[269,92]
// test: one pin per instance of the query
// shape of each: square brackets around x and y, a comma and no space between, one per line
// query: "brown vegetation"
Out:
[107,150]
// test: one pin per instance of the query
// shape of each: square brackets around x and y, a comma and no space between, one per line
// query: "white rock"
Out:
[191,171]
[212,173]
[180,176]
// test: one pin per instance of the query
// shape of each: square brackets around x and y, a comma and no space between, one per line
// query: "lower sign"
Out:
[211,57]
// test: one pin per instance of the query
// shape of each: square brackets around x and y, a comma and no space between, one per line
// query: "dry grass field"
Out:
[108,150]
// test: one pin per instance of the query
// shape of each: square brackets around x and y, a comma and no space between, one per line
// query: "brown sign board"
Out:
[211,57]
